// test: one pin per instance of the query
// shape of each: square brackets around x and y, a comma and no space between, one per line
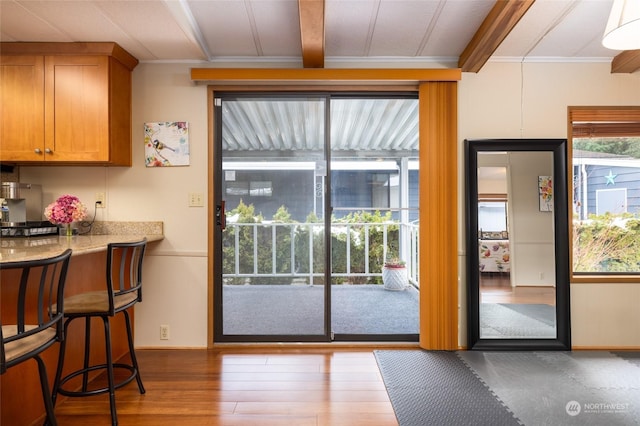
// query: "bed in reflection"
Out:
[494,255]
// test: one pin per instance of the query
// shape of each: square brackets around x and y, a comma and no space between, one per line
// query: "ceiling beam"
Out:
[502,18]
[626,62]
[312,32]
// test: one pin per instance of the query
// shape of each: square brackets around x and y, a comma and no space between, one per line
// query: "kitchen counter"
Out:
[20,401]
[30,248]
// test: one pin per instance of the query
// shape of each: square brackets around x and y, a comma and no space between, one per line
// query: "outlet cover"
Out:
[101,197]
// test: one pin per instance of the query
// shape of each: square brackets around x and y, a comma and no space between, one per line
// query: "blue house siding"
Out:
[625,177]
[293,189]
[296,190]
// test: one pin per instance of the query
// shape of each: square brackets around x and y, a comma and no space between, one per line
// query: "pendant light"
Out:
[623,27]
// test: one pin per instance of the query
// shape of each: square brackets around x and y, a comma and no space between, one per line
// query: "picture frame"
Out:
[545,193]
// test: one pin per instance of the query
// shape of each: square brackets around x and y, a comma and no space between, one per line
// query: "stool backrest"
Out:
[124,272]
[32,307]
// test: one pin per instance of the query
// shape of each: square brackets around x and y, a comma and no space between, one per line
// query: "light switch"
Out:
[196,199]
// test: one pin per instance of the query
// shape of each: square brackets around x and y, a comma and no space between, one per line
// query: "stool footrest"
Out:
[98,391]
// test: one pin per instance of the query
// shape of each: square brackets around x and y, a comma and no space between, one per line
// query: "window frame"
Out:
[598,119]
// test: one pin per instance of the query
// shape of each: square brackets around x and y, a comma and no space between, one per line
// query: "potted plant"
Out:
[394,274]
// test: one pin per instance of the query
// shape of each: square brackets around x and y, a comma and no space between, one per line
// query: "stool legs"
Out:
[109,366]
[46,394]
[132,352]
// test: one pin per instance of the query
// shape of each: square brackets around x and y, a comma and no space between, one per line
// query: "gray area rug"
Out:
[299,310]
[530,388]
[562,388]
[437,388]
[508,320]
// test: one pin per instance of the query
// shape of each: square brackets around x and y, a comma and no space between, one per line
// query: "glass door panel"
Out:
[374,198]
[272,249]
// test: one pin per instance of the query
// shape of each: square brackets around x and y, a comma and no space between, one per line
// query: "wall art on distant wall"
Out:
[166,144]
[545,191]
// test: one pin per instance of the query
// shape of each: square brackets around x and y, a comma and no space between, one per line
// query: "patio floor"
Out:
[299,309]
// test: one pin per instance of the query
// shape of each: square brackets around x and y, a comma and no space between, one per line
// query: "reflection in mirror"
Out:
[517,246]
[517,277]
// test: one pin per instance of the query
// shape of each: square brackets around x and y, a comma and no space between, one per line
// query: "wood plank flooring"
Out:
[310,386]
[496,288]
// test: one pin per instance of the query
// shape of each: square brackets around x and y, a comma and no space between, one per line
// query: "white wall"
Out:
[175,284]
[503,100]
[530,100]
[532,231]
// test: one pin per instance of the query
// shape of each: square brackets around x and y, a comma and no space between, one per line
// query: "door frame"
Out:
[438,94]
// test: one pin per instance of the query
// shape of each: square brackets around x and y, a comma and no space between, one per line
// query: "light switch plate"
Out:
[196,199]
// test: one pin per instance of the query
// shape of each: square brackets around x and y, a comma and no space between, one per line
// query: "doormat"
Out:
[437,388]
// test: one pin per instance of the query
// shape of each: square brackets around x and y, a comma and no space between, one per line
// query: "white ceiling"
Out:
[356,31]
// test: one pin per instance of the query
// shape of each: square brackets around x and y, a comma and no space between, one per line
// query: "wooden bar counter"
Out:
[20,395]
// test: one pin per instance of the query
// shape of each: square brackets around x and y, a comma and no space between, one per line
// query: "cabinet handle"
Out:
[38,151]
[48,151]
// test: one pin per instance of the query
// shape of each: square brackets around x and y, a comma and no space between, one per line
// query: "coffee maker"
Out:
[22,213]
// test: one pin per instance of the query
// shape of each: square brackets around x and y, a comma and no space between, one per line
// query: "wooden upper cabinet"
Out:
[69,105]
[21,108]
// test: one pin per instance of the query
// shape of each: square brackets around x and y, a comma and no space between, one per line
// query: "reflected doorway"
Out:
[513,304]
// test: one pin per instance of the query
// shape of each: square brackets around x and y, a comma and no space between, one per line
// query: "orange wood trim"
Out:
[502,18]
[352,87]
[604,279]
[312,32]
[626,62]
[603,113]
[438,217]
[72,48]
[211,220]
[322,76]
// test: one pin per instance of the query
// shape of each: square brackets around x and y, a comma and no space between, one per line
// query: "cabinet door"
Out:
[76,108]
[21,108]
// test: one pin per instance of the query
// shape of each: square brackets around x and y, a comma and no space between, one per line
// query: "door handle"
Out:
[221,217]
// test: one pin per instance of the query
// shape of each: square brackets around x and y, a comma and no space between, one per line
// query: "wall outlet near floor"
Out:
[164,332]
[102,199]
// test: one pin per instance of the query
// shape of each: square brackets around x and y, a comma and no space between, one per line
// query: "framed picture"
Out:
[545,193]
[166,144]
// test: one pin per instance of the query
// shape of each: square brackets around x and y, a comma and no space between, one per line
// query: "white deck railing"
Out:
[292,249]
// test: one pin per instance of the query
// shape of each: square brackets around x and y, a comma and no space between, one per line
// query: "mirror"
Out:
[517,244]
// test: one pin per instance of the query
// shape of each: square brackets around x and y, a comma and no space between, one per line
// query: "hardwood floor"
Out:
[496,288]
[311,386]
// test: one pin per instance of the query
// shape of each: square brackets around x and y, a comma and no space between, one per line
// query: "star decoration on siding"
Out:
[610,178]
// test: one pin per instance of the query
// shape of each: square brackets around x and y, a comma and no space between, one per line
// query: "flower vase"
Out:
[66,230]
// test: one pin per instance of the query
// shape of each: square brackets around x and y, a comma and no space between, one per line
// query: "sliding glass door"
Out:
[313,193]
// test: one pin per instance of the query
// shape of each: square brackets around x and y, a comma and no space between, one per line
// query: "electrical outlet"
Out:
[196,199]
[102,199]
[164,332]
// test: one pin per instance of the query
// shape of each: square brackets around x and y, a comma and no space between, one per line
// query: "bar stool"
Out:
[39,316]
[123,290]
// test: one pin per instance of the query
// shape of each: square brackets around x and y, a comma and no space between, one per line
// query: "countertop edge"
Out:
[22,249]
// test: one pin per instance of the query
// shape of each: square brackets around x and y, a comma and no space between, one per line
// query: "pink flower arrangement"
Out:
[65,209]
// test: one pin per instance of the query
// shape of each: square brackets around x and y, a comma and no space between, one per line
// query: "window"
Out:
[605,168]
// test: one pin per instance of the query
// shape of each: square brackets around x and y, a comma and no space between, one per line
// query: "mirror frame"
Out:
[558,147]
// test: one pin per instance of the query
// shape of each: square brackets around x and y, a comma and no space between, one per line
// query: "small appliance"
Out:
[22,213]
